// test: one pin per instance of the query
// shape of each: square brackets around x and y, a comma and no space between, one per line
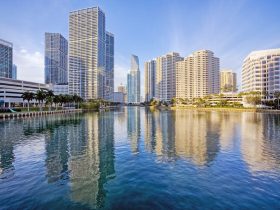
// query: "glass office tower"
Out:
[6,59]
[56,59]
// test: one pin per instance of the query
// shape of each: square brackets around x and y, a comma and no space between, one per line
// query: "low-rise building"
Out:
[11,91]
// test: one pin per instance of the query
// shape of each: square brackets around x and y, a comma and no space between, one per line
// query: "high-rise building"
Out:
[166,76]
[184,78]
[14,72]
[6,59]
[198,75]
[56,59]
[150,76]
[133,81]
[109,68]
[227,81]
[87,53]
[261,72]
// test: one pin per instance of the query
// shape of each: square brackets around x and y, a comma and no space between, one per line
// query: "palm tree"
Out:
[56,100]
[77,99]
[277,96]
[28,96]
[49,98]
[40,97]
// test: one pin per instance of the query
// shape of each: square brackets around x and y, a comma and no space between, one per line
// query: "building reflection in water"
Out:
[171,134]
[260,142]
[149,130]
[92,158]
[197,135]
[133,128]
[229,129]
[9,134]
[79,150]
[80,147]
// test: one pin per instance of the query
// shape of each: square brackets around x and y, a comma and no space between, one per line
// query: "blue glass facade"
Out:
[56,59]
[109,69]
[6,59]
[133,81]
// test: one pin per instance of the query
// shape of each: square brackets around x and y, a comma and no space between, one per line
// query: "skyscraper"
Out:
[14,72]
[261,71]
[228,81]
[87,53]
[56,59]
[150,76]
[133,81]
[166,76]
[6,59]
[198,75]
[109,75]
[184,78]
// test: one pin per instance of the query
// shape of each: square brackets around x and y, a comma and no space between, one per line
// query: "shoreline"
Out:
[221,109]
[18,115]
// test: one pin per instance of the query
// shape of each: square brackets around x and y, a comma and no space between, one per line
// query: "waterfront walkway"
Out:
[37,113]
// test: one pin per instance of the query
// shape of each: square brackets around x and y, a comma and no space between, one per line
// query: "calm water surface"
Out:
[133,158]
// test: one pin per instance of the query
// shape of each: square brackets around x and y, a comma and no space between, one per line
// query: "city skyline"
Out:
[184,32]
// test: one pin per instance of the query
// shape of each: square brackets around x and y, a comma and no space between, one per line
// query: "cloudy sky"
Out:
[230,28]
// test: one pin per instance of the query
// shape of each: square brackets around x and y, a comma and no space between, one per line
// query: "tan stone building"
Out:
[228,81]
[198,75]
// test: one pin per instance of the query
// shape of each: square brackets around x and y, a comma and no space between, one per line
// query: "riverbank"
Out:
[37,113]
[224,109]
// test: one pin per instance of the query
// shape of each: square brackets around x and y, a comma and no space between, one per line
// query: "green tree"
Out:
[27,96]
[173,101]
[49,98]
[77,99]
[56,100]
[254,99]
[40,96]
[277,96]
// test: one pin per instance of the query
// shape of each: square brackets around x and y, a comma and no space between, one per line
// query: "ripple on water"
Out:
[138,159]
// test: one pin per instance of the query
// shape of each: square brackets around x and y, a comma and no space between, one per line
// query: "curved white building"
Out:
[261,72]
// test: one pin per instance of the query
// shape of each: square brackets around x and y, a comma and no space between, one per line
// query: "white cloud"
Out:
[30,65]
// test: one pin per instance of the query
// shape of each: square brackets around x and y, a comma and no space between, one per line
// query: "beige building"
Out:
[165,87]
[228,81]
[261,72]
[122,89]
[198,75]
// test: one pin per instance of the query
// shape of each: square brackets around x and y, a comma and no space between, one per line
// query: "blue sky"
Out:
[147,28]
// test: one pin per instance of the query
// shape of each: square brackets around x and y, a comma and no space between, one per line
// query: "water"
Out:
[133,158]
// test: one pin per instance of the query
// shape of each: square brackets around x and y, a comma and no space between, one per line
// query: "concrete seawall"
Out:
[33,114]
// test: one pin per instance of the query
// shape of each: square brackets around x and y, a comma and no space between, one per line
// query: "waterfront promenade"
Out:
[36,113]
